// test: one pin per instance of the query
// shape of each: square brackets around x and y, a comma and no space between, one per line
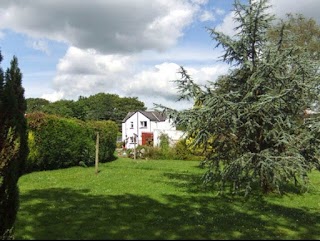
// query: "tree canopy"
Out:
[101,106]
[299,31]
[251,121]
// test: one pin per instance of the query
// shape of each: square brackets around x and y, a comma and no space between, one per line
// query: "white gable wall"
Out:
[133,127]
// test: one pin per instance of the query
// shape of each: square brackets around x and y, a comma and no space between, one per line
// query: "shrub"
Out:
[60,142]
[149,152]
[108,131]
[57,143]
[181,150]
[165,149]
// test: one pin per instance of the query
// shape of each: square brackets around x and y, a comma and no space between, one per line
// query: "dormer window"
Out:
[143,124]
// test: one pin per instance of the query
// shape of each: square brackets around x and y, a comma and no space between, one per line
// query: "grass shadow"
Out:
[62,213]
[187,182]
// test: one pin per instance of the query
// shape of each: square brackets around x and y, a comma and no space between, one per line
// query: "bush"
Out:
[149,152]
[60,142]
[181,150]
[57,143]
[108,131]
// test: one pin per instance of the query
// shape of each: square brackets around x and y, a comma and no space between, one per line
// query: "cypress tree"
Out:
[251,121]
[14,149]
[1,105]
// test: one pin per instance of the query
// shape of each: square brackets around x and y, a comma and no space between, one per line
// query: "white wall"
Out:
[174,136]
[137,129]
[156,127]
[164,125]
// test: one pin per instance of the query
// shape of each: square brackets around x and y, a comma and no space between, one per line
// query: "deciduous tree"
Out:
[36,104]
[298,31]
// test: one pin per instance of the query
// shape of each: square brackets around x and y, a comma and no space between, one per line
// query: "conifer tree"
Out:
[251,120]
[13,149]
[1,104]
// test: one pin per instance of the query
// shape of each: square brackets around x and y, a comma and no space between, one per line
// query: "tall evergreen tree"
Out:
[13,149]
[251,120]
[1,105]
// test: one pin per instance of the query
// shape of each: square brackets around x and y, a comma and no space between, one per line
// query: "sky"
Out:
[132,48]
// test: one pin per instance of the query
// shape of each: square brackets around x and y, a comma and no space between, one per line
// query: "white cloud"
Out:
[53,96]
[228,25]
[155,82]
[201,2]
[113,26]
[40,45]
[78,61]
[309,8]
[86,72]
[113,43]
[207,16]
[219,11]
[210,15]
[207,73]
[2,35]
[196,55]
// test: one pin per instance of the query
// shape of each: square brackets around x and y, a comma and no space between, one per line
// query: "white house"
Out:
[145,127]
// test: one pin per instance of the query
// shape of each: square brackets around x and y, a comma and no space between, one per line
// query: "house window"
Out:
[133,139]
[131,125]
[143,124]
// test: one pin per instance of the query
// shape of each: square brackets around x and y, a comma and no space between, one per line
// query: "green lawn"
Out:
[155,200]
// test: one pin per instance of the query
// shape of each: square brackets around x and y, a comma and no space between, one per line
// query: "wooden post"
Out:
[134,144]
[134,151]
[97,154]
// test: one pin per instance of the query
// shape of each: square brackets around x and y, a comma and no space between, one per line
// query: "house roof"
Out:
[151,115]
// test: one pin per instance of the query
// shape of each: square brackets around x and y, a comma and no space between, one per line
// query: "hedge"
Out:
[56,142]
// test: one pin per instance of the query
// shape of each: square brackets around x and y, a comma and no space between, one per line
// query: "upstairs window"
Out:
[143,124]
[131,124]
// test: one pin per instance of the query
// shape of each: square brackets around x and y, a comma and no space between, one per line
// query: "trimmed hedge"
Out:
[108,132]
[57,142]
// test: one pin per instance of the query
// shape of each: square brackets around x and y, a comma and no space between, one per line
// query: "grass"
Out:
[143,200]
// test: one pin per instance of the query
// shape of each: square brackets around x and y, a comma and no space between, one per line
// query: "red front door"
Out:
[147,138]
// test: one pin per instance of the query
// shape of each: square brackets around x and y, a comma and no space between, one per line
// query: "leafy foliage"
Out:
[107,138]
[302,32]
[164,143]
[299,31]
[36,104]
[251,120]
[179,151]
[100,106]
[57,142]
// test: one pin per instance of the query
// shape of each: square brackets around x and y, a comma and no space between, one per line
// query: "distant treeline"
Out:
[102,106]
